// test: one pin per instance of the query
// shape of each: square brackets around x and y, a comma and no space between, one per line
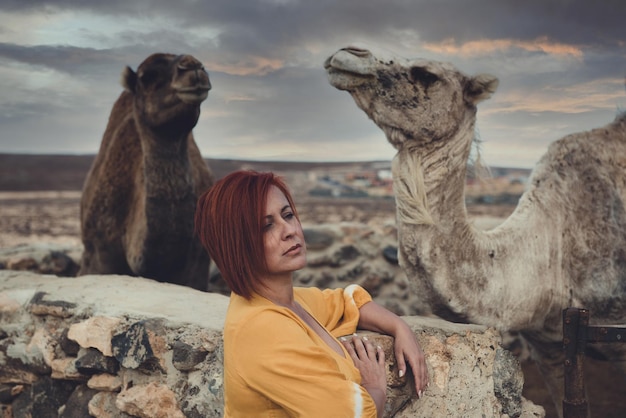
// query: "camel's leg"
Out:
[196,271]
[97,261]
[87,261]
[549,357]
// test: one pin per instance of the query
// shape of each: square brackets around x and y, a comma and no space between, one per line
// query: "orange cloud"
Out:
[486,46]
[249,65]
[578,98]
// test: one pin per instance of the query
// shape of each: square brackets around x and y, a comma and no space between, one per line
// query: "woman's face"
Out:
[285,250]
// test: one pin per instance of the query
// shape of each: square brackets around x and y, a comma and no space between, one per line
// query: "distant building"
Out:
[384,174]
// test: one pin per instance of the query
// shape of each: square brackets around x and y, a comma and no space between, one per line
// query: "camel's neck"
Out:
[445,188]
[458,269]
[169,199]
[167,170]
[429,180]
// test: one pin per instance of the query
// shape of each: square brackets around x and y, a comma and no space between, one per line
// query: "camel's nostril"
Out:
[359,52]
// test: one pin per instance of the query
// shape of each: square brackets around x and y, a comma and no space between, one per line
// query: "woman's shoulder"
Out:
[245,315]
[313,296]
[241,309]
[308,292]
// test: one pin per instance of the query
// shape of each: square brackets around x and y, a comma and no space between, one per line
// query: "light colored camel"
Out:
[564,245]
[139,197]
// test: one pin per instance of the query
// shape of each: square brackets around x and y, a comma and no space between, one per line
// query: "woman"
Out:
[281,353]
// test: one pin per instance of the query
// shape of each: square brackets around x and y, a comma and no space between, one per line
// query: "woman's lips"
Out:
[294,248]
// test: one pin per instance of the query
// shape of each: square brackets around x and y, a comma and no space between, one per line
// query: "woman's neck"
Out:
[278,291]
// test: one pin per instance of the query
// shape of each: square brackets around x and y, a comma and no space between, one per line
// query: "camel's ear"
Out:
[480,87]
[129,79]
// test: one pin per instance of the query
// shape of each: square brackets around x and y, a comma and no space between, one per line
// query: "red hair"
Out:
[229,223]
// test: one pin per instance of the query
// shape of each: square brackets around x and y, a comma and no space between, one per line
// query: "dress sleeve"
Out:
[336,309]
[276,358]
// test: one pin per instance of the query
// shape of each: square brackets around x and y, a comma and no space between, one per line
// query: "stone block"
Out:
[95,332]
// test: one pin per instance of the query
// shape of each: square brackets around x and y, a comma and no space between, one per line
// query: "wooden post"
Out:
[575,322]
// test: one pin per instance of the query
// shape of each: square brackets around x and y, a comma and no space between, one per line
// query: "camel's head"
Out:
[419,101]
[168,90]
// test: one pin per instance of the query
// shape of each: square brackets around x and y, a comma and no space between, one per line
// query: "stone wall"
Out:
[118,346]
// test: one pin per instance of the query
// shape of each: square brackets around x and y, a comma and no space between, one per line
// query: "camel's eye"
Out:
[148,77]
[423,76]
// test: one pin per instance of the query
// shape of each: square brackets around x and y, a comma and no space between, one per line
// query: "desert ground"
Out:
[53,216]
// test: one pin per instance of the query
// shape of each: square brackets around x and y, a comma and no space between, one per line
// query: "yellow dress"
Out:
[275,365]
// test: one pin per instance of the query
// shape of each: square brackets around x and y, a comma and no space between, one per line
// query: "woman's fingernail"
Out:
[343,339]
[380,348]
[354,333]
[365,339]
[419,394]
[401,373]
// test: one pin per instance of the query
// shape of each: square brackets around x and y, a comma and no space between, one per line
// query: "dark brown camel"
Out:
[139,197]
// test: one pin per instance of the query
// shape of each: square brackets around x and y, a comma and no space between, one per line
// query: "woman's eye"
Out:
[288,215]
[266,227]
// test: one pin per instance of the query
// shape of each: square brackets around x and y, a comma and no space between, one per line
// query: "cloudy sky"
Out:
[561,65]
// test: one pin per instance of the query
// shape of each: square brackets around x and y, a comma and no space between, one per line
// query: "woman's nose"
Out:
[289,228]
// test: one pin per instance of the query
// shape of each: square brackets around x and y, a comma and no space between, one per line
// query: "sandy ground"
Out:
[28,217]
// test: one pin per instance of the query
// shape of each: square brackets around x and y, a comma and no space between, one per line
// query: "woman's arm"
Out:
[374,317]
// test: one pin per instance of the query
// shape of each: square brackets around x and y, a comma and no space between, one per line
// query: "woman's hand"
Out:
[408,350]
[376,318]
[370,361]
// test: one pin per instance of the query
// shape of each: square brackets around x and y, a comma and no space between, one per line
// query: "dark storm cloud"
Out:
[281,30]
[67,59]
[267,25]
[576,21]
[90,63]
[265,61]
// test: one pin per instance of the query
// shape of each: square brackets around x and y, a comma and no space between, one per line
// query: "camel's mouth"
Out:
[193,95]
[345,80]
[348,68]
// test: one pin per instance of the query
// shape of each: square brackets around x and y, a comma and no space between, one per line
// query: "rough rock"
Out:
[167,340]
[44,258]
[102,405]
[149,401]
[43,399]
[77,404]
[95,332]
[92,361]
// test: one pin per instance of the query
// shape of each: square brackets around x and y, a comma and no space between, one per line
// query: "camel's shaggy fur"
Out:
[139,197]
[408,180]
[564,245]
